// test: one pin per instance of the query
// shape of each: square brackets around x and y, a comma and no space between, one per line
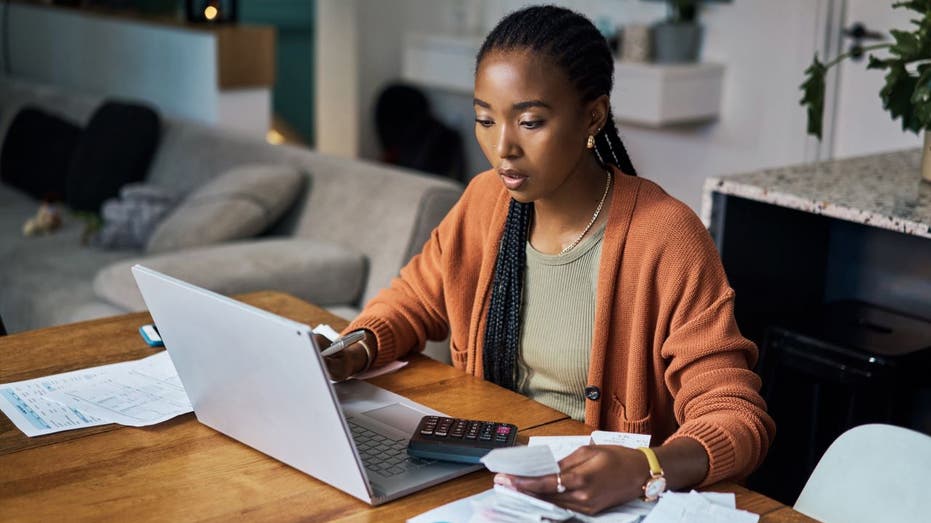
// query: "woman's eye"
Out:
[532,124]
[483,122]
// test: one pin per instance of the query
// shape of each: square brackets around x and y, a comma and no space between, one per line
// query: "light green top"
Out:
[558,316]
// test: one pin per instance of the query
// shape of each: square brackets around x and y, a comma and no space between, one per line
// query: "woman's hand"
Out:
[344,363]
[596,477]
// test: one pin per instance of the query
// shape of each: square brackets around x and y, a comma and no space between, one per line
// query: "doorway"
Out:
[858,123]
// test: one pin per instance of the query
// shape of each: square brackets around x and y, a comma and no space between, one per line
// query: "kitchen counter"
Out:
[884,190]
[795,238]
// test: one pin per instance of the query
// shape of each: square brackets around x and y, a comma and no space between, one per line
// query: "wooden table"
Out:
[181,470]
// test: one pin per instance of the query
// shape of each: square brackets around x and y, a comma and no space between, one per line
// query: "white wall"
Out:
[175,69]
[764,45]
[109,55]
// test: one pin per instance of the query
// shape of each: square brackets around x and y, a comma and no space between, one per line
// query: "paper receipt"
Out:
[522,461]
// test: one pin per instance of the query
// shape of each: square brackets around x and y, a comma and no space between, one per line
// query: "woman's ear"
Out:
[597,111]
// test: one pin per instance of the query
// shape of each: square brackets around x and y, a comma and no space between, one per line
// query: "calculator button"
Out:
[443,427]
[458,428]
[428,426]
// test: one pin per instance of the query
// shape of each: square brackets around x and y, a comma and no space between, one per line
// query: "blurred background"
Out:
[703,89]
[318,78]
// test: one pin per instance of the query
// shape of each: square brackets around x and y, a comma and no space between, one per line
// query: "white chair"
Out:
[871,473]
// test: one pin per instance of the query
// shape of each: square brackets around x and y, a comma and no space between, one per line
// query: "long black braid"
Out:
[576,46]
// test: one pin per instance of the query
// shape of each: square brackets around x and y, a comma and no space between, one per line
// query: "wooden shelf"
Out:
[245,56]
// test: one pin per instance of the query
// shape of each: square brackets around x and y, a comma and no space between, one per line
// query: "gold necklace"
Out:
[594,217]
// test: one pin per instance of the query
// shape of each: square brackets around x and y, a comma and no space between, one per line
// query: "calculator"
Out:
[459,440]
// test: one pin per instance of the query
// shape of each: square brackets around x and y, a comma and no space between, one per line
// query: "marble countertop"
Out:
[883,190]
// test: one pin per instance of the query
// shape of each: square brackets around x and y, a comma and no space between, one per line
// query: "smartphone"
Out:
[150,335]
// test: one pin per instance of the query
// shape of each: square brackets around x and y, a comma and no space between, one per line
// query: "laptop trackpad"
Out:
[396,415]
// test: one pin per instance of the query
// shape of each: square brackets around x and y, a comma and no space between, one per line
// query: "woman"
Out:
[562,275]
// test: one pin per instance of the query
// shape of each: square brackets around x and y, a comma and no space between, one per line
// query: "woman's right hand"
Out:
[340,366]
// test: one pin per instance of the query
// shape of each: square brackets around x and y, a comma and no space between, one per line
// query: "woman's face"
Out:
[529,122]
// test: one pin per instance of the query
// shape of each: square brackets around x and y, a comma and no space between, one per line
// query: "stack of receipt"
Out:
[505,505]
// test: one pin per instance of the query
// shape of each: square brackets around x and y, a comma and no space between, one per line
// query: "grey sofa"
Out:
[348,234]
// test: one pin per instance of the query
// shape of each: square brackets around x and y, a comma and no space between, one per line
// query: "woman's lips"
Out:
[512,179]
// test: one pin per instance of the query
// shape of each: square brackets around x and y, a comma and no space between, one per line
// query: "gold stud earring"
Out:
[591,142]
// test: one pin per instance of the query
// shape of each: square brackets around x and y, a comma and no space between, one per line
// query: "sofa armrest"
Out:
[319,272]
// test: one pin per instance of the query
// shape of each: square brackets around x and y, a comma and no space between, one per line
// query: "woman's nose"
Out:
[507,147]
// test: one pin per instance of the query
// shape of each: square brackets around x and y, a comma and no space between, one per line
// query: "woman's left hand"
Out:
[595,477]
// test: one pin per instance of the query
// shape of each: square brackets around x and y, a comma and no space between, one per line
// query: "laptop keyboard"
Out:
[384,455]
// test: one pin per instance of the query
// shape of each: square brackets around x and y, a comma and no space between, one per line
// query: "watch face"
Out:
[654,488]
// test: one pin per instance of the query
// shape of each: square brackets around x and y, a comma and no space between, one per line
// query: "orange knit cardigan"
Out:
[667,356]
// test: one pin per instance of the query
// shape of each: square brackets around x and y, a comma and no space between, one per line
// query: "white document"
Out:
[136,393]
[724,499]
[522,461]
[140,392]
[330,333]
[561,446]
[626,439]
[459,511]
[510,505]
[504,505]
[28,406]
[695,507]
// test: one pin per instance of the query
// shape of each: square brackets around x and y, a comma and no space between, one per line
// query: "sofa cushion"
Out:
[115,149]
[318,272]
[240,203]
[37,152]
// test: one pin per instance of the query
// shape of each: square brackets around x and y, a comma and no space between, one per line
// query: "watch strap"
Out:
[656,485]
[655,469]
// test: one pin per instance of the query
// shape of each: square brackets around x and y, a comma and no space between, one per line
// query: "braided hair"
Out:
[576,46]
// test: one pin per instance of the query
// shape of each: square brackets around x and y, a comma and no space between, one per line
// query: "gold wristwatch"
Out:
[656,485]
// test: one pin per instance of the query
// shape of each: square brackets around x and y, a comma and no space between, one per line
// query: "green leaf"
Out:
[921,99]
[905,95]
[877,63]
[907,45]
[897,95]
[921,6]
[813,96]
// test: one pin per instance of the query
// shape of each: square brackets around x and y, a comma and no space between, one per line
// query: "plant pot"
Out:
[926,157]
[675,43]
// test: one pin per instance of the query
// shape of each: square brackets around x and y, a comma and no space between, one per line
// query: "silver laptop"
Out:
[259,378]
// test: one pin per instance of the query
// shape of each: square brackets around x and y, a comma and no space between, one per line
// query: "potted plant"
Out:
[678,38]
[907,91]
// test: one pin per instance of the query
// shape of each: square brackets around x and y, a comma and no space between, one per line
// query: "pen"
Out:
[343,342]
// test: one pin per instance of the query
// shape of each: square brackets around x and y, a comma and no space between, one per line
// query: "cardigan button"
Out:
[592,393]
